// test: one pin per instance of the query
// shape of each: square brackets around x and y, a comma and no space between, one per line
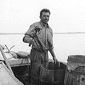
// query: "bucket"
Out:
[52,73]
[75,74]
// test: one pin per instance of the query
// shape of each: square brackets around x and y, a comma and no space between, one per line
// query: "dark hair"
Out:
[44,10]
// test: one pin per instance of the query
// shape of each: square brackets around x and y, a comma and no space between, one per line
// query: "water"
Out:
[64,44]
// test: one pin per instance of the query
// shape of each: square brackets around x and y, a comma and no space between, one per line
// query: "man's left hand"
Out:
[55,59]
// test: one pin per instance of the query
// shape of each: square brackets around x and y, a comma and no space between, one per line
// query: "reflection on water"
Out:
[64,44]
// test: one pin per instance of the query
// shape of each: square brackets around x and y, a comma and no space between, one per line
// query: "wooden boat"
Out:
[13,70]
[6,78]
[17,69]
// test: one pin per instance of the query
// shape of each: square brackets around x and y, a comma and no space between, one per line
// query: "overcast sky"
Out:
[66,15]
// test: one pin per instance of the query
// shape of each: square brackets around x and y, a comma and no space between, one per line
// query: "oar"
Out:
[6,61]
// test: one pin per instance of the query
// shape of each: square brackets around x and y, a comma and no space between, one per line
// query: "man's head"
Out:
[44,15]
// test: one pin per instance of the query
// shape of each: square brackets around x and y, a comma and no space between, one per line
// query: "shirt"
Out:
[45,35]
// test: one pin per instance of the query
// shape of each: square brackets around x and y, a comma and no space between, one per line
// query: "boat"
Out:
[16,66]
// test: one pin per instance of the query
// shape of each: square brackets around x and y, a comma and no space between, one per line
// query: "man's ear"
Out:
[40,17]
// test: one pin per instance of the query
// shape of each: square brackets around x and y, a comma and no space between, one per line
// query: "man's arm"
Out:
[53,55]
[27,37]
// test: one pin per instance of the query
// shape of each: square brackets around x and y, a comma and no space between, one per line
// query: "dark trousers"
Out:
[37,59]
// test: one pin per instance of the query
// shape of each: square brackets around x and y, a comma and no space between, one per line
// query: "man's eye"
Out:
[45,16]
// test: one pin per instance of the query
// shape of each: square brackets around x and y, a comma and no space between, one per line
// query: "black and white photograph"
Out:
[42,42]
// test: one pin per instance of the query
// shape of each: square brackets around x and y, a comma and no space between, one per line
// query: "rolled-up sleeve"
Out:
[30,32]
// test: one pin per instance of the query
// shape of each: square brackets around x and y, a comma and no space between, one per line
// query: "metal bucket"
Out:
[52,73]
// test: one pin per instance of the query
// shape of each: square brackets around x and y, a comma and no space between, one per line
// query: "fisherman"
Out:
[40,37]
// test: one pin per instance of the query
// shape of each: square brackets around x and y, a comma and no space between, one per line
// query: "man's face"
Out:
[45,17]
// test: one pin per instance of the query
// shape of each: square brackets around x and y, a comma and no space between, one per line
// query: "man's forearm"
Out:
[53,55]
[27,39]
[52,52]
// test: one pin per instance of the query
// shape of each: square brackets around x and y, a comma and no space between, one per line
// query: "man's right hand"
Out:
[37,29]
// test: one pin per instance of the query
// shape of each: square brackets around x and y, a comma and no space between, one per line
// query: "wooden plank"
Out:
[6,61]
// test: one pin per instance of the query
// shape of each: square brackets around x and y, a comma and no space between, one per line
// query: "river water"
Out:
[64,44]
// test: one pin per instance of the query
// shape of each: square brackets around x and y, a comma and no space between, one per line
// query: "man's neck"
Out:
[44,24]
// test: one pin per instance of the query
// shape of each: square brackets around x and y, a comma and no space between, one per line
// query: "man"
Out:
[40,37]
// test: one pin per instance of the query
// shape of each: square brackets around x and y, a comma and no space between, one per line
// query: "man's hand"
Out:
[34,34]
[37,29]
[31,42]
[55,59]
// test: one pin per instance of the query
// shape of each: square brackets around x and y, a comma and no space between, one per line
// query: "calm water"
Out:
[64,44]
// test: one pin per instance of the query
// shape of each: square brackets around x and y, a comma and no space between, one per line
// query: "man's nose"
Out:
[47,17]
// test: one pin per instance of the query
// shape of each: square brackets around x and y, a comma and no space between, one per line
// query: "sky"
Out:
[66,16]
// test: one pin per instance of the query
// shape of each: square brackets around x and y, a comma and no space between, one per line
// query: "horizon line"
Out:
[53,33]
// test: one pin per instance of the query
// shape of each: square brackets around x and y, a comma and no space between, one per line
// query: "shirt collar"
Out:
[44,24]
